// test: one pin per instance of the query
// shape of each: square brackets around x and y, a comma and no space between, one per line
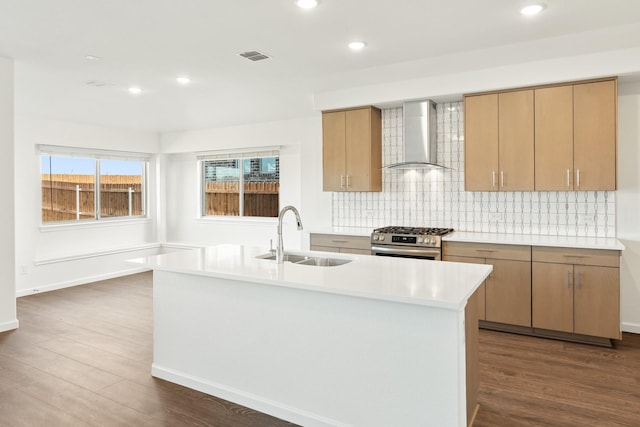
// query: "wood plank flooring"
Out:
[82,357]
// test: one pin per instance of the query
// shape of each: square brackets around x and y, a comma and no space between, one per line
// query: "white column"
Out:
[8,318]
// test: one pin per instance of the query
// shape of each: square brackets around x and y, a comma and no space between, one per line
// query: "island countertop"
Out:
[437,284]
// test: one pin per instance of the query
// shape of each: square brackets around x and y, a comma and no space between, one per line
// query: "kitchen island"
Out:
[374,342]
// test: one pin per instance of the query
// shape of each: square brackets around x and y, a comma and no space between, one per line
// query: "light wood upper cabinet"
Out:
[544,138]
[576,136]
[481,142]
[352,150]
[499,149]
[554,138]
[576,291]
[595,135]
[516,148]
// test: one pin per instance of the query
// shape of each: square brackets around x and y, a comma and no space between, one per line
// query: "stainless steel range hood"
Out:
[419,130]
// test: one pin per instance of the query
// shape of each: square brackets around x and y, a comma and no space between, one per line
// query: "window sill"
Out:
[93,224]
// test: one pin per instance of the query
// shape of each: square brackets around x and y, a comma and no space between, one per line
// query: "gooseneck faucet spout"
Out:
[280,247]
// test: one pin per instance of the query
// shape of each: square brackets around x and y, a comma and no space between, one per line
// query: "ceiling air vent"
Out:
[97,83]
[254,55]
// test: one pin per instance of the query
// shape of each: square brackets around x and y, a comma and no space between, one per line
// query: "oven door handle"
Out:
[405,251]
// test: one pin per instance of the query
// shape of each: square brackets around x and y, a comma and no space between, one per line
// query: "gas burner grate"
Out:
[418,231]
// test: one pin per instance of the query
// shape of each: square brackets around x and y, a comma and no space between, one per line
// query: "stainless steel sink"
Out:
[307,259]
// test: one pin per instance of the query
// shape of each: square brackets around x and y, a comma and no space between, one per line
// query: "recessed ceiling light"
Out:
[357,45]
[306,4]
[183,80]
[532,9]
[134,90]
[92,58]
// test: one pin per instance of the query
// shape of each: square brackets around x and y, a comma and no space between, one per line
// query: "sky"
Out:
[84,166]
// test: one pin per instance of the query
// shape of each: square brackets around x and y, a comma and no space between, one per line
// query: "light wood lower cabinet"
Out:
[341,243]
[576,291]
[481,292]
[564,293]
[508,287]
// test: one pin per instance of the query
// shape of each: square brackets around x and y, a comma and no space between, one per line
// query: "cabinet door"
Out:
[516,148]
[597,301]
[481,293]
[554,138]
[481,143]
[508,292]
[552,296]
[594,143]
[333,151]
[358,149]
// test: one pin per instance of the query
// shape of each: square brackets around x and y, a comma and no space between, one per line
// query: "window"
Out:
[83,185]
[245,184]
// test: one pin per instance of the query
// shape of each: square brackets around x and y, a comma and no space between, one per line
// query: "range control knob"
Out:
[381,237]
[420,240]
[375,237]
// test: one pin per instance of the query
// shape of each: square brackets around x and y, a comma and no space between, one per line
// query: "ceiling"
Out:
[148,43]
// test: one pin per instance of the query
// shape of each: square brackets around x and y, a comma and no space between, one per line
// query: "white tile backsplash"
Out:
[436,198]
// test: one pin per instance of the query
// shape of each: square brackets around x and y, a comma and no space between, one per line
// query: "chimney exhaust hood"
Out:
[419,136]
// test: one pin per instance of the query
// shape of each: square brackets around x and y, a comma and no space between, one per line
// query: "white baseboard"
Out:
[258,403]
[634,328]
[8,326]
[80,281]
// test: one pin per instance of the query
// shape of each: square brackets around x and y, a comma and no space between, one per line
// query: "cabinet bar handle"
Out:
[568,279]
[502,179]
[341,181]
[493,178]
[348,181]
[568,177]
[577,177]
[339,241]
[579,280]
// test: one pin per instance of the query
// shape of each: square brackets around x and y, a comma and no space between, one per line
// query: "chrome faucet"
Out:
[280,247]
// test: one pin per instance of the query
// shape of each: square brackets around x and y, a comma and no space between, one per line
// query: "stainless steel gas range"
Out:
[409,242]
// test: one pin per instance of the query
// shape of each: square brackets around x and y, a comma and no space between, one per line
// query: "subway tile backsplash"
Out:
[436,198]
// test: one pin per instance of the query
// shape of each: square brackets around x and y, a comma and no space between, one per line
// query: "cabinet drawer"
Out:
[341,241]
[489,251]
[601,257]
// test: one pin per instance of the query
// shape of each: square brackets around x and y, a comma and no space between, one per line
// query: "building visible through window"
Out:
[241,187]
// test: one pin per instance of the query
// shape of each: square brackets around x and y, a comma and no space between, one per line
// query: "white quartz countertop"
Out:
[445,285]
[344,231]
[499,238]
[534,240]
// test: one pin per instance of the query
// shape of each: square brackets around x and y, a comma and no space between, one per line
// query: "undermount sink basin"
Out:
[307,259]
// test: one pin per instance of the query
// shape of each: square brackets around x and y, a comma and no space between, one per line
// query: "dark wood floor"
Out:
[82,357]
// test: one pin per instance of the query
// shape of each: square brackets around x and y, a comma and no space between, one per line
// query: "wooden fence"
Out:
[59,196]
[260,198]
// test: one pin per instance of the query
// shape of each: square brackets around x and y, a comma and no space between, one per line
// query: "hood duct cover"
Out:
[419,136]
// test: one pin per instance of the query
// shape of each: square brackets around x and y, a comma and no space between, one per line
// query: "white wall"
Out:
[628,196]
[300,182]
[48,259]
[7,232]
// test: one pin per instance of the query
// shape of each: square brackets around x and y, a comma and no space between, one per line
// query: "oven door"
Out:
[406,252]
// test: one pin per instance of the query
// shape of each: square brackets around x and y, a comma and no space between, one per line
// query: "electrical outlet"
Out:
[24,269]
[496,216]
[586,220]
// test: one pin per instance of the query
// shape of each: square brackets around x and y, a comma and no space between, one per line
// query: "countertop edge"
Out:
[456,306]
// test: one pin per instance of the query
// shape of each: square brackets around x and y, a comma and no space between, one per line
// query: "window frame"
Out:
[241,155]
[96,155]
